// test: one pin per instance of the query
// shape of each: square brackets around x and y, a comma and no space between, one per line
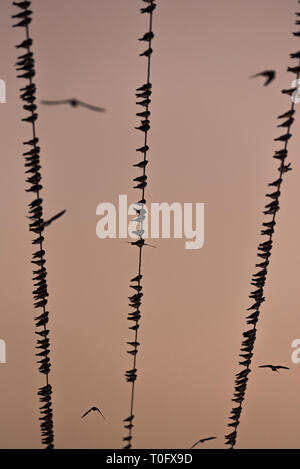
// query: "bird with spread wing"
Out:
[74,103]
[269,74]
[94,409]
[203,440]
[274,367]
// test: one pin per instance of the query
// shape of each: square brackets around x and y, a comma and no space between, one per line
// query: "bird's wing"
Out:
[61,101]
[267,73]
[265,366]
[90,106]
[271,77]
[58,215]
[284,367]
[87,412]
[100,412]
[195,444]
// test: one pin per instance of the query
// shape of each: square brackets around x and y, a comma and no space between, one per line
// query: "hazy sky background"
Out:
[211,141]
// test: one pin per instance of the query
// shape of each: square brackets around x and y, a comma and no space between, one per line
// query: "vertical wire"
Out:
[132,377]
[259,280]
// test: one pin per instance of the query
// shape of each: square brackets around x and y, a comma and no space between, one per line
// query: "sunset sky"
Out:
[211,141]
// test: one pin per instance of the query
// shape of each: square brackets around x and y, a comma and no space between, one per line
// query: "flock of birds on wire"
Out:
[26,70]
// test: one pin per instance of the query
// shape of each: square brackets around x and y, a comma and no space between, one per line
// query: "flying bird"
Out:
[60,214]
[74,103]
[274,367]
[95,409]
[269,74]
[203,441]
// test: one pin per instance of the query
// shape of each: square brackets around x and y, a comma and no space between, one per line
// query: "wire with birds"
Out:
[264,253]
[143,94]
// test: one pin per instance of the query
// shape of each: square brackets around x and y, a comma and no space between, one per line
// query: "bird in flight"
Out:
[60,214]
[74,103]
[269,74]
[203,441]
[274,367]
[95,409]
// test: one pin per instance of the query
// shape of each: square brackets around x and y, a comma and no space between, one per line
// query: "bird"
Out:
[74,103]
[269,74]
[147,36]
[287,114]
[149,9]
[274,367]
[22,5]
[137,278]
[203,441]
[95,409]
[55,217]
[139,243]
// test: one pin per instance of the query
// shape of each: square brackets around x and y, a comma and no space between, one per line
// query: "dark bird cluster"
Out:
[264,254]
[37,225]
[143,95]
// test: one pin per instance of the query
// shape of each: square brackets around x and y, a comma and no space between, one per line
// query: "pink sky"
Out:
[211,141]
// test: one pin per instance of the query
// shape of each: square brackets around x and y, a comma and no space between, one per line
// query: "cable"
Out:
[25,63]
[144,93]
[259,278]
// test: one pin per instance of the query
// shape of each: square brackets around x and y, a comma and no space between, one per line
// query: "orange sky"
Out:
[211,141]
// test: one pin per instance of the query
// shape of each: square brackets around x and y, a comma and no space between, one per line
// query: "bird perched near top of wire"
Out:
[74,103]
[269,74]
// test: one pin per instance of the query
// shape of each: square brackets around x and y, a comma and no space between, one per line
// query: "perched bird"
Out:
[74,103]
[143,149]
[283,138]
[146,86]
[294,70]
[149,9]
[95,409]
[203,441]
[287,123]
[290,91]
[269,74]
[129,419]
[144,114]
[147,36]
[274,367]
[295,55]
[25,44]
[147,52]
[22,5]
[137,278]
[141,164]
[139,243]
[287,114]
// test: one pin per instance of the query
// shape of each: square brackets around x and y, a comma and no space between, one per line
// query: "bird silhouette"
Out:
[74,103]
[274,367]
[147,36]
[95,409]
[269,74]
[203,441]
[55,217]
